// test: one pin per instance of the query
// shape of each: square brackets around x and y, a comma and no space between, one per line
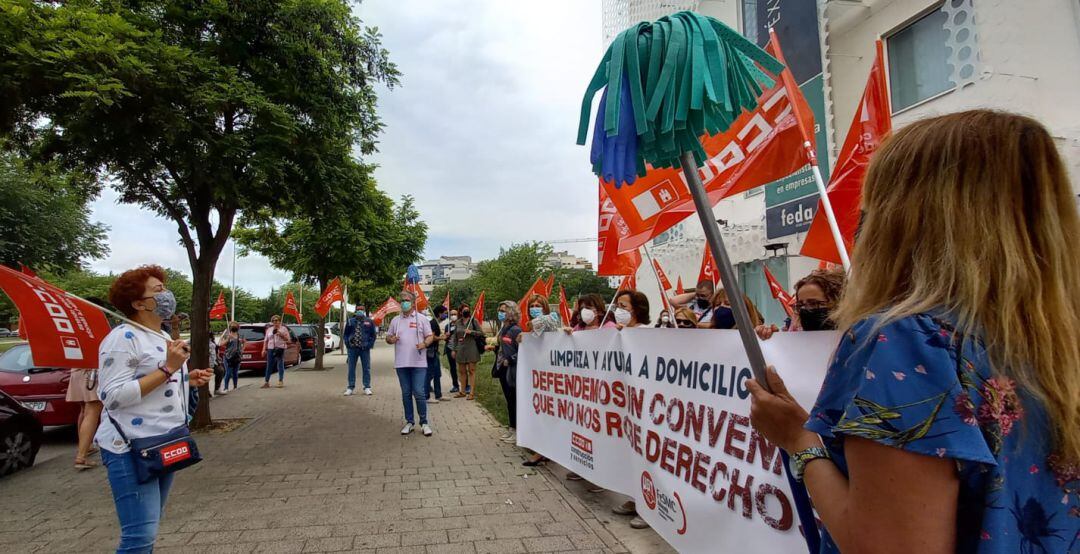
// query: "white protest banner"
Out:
[662,415]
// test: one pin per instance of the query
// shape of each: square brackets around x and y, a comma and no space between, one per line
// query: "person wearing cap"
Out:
[359,339]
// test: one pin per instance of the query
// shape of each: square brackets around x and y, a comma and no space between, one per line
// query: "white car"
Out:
[331,340]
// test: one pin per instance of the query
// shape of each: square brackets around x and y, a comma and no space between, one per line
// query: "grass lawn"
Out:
[489,391]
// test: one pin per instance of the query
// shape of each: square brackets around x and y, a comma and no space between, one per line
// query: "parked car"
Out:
[306,335]
[5,333]
[20,436]
[331,340]
[43,390]
[253,357]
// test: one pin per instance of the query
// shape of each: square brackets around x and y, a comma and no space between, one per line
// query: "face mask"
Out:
[235,330]
[622,317]
[502,316]
[360,313]
[164,304]
[665,320]
[587,316]
[465,314]
[443,317]
[535,312]
[723,318]
[453,318]
[406,306]
[815,319]
[703,303]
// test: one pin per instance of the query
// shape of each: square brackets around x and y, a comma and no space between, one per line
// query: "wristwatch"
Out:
[803,457]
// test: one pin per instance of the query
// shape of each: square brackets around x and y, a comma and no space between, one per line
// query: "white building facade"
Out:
[443,270]
[940,57]
[566,260]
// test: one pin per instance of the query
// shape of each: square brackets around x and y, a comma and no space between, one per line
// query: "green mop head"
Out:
[667,83]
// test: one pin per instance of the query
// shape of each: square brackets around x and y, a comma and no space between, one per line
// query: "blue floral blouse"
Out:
[903,386]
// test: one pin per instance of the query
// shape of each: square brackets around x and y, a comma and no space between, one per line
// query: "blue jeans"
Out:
[434,377]
[452,364]
[275,359]
[232,371]
[413,384]
[364,354]
[139,507]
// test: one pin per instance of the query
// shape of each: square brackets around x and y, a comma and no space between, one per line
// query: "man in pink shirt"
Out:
[276,339]
[410,333]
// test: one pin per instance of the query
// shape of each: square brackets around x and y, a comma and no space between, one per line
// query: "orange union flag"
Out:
[333,293]
[220,309]
[290,307]
[762,146]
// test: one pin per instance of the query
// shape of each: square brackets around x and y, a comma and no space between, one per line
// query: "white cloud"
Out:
[481,132]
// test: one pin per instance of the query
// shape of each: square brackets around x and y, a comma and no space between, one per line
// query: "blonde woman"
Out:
[949,420]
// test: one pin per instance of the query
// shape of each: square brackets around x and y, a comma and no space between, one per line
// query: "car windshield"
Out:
[16,360]
[252,334]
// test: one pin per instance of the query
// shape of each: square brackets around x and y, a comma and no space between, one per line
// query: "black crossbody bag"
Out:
[162,454]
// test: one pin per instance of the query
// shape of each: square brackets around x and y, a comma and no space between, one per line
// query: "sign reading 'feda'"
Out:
[788,219]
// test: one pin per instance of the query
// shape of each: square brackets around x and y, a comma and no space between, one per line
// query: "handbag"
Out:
[160,455]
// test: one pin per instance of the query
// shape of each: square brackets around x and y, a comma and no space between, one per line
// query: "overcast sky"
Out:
[481,132]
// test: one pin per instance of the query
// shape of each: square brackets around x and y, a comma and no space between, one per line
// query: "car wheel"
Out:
[18,448]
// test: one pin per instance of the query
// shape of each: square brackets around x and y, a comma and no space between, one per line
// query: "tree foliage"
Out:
[45,216]
[197,110]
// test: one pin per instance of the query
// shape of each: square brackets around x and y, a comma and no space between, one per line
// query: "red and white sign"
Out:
[662,416]
[175,453]
[333,293]
[62,331]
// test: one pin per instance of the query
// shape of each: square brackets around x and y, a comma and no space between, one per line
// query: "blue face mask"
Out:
[723,318]
[535,312]
[406,306]
[502,316]
[165,304]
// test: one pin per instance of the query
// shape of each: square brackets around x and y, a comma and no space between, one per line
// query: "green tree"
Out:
[365,236]
[510,275]
[581,281]
[197,110]
[45,216]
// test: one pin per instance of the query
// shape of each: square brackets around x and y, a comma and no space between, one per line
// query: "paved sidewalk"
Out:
[314,471]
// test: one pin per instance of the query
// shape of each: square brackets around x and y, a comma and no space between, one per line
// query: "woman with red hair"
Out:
[144,385]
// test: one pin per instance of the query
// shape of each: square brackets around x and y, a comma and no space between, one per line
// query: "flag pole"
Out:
[811,156]
[608,310]
[232,305]
[121,316]
[723,264]
[344,302]
[671,309]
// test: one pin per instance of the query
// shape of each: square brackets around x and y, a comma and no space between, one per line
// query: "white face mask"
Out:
[587,316]
[622,317]
[453,318]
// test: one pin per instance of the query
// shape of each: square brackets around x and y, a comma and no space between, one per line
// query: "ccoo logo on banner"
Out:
[662,415]
[62,331]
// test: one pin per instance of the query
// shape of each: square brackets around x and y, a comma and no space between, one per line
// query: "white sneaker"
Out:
[407,429]
[223,392]
[426,429]
[367,392]
[506,435]
[512,439]
[349,392]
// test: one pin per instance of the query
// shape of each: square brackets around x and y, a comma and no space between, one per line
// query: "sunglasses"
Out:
[684,323]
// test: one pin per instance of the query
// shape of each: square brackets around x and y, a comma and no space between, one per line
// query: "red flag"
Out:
[219,309]
[708,267]
[763,145]
[290,307]
[780,294]
[63,331]
[26,271]
[549,286]
[446,301]
[678,287]
[333,293]
[564,307]
[612,230]
[391,306]
[538,287]
[628,283]
[421,298]
[827,266]
[478,310]
[664,283]
[871,124]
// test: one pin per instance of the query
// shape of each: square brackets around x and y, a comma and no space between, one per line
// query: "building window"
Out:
[918,61]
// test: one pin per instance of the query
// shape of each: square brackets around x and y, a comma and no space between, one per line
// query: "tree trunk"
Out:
[202,280]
